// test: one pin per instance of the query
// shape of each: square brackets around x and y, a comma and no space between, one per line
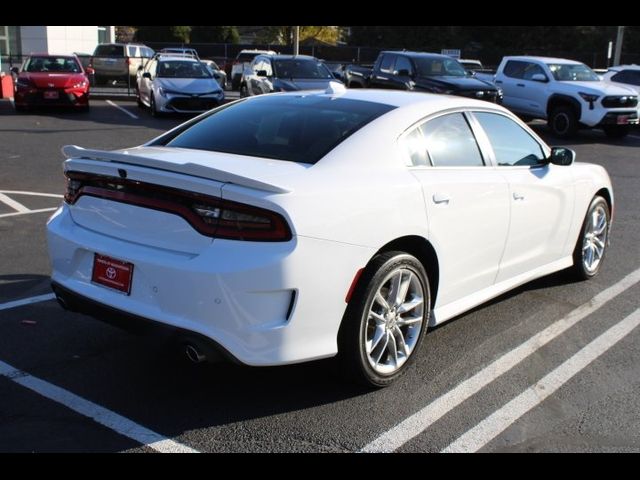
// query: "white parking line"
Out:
[35,194]
[121,108]
[419,421]
[101,415]
[476,438]
[16,214]
[27,301]
[13,204]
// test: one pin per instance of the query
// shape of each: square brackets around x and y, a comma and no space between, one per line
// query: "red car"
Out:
[57,80]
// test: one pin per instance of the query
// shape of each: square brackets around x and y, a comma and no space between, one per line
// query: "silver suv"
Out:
[119,61]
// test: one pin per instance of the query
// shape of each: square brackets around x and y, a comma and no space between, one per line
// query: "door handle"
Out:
[520,84]
[517,196]
[499,81]
[441,198]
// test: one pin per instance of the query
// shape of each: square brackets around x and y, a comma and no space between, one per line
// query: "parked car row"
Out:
[174,82]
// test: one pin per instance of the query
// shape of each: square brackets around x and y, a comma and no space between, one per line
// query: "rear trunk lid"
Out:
[173,171]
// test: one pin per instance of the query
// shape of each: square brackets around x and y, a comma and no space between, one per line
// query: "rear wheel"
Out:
[592,243]
[616,131]
[386,320]
[563,122]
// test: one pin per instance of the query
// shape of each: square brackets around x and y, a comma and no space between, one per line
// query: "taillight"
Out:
[210,216]
[128,61]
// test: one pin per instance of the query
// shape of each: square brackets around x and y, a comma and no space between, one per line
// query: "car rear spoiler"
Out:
[195,170]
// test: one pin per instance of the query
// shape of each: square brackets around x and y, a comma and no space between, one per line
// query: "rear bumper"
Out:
[74,302]
[264,303]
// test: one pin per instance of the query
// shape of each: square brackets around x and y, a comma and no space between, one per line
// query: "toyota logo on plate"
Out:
[111,273]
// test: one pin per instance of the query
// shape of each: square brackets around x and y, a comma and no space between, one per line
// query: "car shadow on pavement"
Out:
[19,286]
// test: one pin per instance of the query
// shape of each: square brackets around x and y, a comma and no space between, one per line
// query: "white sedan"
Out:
[291,227]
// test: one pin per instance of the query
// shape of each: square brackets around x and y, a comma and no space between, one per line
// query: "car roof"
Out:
[67,55]
[174,58]
[618,68]
[545,59]
[417,54]
[430,102]
[291,57]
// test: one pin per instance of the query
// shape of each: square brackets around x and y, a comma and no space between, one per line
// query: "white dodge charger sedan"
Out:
[291,227]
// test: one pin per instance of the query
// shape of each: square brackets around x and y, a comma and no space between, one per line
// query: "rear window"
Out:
[246,57]
[294,128]
[109,51]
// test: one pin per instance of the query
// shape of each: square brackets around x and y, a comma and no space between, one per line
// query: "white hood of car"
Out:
[189,85]
[602,88]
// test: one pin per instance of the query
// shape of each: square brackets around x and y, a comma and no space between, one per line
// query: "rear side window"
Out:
[109,51]
[512,145]
[450,142]
[515,69]
[294,128]
[387,63]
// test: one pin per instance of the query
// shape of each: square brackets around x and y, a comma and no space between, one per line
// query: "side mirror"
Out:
[562,156]
[146,75]
[539,77]
[217,76]
[89,71]
[261,73]
[15,70]
[336,75]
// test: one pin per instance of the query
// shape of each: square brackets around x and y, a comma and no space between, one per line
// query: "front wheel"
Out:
[592,243]
[386,320]
[152,107]
[563,122]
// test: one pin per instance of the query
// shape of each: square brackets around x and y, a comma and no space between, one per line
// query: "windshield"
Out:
[298,129]
[182,69]
[438,67]
[300,69]
[572,72]
[52,64]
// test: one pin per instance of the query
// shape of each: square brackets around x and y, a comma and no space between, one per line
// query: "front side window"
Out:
[450,142]
[512,145]
[298,129]
[532,69]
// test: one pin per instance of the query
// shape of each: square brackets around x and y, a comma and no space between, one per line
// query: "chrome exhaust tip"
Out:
[194,354]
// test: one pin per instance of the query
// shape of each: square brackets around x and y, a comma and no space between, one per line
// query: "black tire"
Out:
[563,122]
[152,107]
[580,269]
[356,327]
[235,83]
[616,131]
[19,108]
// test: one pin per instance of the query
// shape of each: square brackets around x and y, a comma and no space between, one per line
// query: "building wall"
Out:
[33,39]
[67,40]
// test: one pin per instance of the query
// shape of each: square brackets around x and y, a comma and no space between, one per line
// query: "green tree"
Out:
[284,34]
[162,34]
[214,34]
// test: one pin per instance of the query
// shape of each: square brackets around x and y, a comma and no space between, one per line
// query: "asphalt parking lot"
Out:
[553,366]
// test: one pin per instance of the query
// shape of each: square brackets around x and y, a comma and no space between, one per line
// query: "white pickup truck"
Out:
[566,93]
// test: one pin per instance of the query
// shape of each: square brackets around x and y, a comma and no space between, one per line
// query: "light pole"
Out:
[616,58]
[296,40]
